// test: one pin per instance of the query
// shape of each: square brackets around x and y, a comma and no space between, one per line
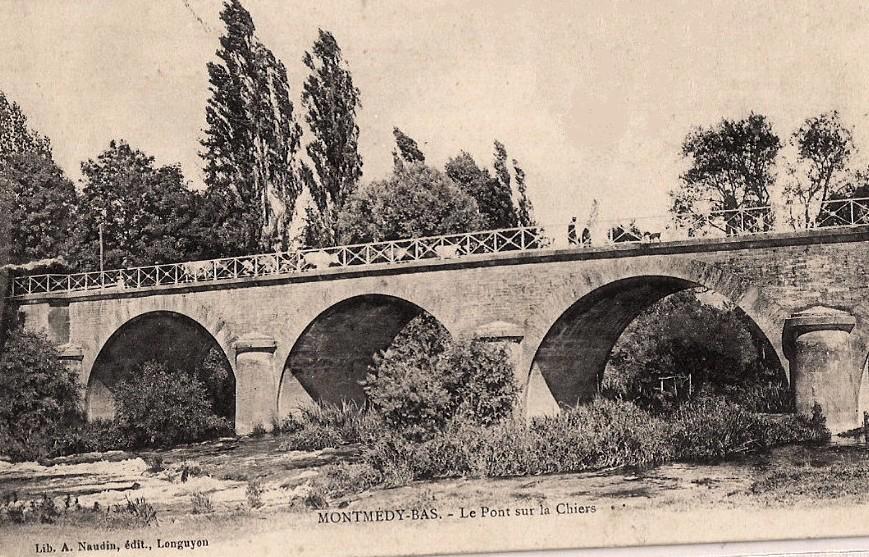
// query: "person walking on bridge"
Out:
[571,232]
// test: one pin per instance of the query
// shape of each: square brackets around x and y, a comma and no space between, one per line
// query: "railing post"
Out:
[851,205]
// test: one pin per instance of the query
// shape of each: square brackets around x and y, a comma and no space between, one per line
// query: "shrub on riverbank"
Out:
[38,396]
[318,426]
[603,434]
[159,408]
[713,429]
[600,435]
[466,380]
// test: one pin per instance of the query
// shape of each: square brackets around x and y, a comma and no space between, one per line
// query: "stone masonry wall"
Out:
[769,278]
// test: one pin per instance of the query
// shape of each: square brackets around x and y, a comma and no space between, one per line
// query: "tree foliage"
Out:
[250,142]
[38,394]
[406,149]
[15,136]
[7,205]
[824,144]
[425,378]
[682,335]
[159,407]
[148,214]
[494,200]
[330,100]
[524,207]
[502,171]
[415,201]
[41,208]
[731,166]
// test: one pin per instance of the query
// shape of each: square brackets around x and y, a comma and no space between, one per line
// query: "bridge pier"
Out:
[823,365]
[255,388]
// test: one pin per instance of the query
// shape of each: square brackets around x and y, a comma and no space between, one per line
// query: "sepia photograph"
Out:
[359,278]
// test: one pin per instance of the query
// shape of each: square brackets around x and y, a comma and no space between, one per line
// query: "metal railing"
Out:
[844,212]
[448,246]
[653,229]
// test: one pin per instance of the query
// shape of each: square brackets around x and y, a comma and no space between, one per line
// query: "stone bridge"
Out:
[290,339]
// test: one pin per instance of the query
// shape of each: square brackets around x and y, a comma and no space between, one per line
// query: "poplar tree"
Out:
[495,203]
[16,137]
[406,150]
[330,100]
[250,142]
[524,207]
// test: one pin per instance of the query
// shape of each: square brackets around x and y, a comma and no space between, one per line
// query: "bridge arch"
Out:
[569,340]
[168,336]
[331,356]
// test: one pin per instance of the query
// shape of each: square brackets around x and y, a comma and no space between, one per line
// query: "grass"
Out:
[317,427]
[44,510]
[604,434]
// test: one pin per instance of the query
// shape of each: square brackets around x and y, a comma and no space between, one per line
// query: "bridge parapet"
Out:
[472,248]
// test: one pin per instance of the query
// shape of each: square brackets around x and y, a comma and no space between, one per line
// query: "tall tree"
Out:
[331,101]
[38,200]
[41,207]
[824,145]
[148,214]
[406,149]
[524,208]
[495,202]
[731,166]
[15,136]
[7,202]
[502,172]
[250,142]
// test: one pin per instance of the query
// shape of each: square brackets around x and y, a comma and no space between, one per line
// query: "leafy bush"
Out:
[338,480]
[792,428]
[136,513]
[201,503]
[425,379]
[254,493]
[38,396]
[155,407]
[320,426]
[95,436]
[599,435]
[712,429]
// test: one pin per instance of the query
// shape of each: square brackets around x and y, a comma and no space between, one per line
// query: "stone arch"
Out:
[157,334]
[94,342]
[569,340]
[333,352]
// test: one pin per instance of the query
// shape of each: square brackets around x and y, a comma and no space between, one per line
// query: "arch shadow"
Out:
[331,357]
[568,364]
[166,336]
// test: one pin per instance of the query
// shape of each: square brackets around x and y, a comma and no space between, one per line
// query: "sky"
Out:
[593,99]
